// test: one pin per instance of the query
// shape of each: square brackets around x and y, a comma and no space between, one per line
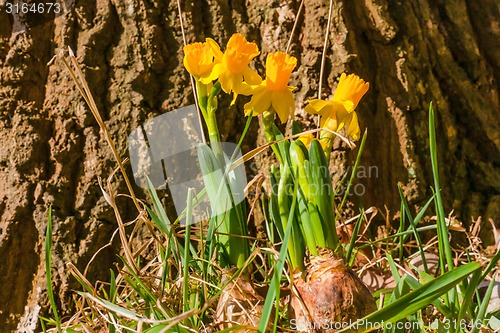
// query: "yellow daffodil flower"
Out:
[306,139]
[231,67]
[339,112]
[274,90]
[198,60]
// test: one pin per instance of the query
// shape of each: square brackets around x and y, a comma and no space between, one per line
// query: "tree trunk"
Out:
[411,52]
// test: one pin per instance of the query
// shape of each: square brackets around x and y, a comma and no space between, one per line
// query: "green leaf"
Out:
[274,211]
[437,303]
[296,127]
[469,294]
[354,171]
[444,245]
[354,236]
[285,203]
[113,307]
[160,328]
[478,321]
[112,286]
[186,258]
[161,220]
[322,193]
[305,223]
[413,226]
[229,219]
[48,269]
[415,300]
[493,263]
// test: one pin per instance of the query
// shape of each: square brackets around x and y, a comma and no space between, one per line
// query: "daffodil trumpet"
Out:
[273,94]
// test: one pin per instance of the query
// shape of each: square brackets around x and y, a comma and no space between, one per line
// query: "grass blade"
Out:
[413,226]
[484,306]
[445,250]
[354,170]
[48,270]
[415,300]
[355,233]
[187,238]
[469,294]
[491,265]
[274,289]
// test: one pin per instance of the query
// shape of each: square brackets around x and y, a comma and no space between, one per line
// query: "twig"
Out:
[323,55]
[294,26]
[84,89]
[193,85]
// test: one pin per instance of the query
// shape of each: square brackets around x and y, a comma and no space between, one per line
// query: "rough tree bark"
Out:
[411,52]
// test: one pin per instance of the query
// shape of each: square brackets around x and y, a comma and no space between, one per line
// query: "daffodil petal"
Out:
[187,65]
[330,122]
[306,139]
[239,86]
[216,72]
[283,103]
[215,48]
[318,106]
[235,95]
[353,129]
[349,105]
[227,81]
[198,59]
[342,113]
[251,76]
[344,118]
[260,102]
[342,88]
[246,89]
[279,67]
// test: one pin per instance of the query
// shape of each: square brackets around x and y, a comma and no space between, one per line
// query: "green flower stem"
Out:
[294,245]
[213,130]
[214,137]
[326,139]
[211,121]
[202,91]
[212,105]
[268,123]
[230,223]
